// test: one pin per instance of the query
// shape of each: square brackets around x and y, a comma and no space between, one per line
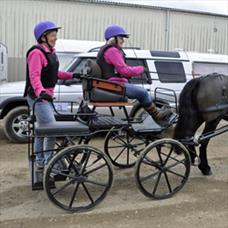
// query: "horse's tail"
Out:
[188,109]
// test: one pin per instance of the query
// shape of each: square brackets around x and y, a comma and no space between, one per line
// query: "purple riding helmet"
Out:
[115,30]
[43,27]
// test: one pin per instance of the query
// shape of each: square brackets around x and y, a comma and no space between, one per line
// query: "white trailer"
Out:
[3,63]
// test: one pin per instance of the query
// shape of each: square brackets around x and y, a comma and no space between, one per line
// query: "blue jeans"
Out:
[44,115]
[139,93]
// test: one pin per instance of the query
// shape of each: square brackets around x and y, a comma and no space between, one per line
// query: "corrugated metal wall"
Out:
[150,28]
[198,32]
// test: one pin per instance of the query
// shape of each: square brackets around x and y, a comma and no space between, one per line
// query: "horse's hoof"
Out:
[206,171]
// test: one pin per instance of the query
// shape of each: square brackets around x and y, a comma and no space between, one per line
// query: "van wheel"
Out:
[16,124]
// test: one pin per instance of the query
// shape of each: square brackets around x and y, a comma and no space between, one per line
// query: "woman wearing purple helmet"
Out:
[41,77]
[111,59]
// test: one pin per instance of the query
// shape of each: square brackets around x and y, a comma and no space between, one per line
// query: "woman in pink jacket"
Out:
[111,60]
[41,78]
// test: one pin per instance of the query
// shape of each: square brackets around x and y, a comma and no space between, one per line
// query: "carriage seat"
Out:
[61,128]
[99,91]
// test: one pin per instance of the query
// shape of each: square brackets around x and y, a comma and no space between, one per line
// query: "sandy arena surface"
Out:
[203,202]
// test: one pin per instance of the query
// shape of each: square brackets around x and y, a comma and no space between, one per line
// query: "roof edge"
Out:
[103,2]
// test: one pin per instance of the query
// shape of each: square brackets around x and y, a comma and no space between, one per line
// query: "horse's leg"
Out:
[192,153]
[203,166]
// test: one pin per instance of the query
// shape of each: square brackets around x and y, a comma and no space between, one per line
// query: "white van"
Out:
[3,62]
[203,64]
[171,70]
[66,49]
[166,69]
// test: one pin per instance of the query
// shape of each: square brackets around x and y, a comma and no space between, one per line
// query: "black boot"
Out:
[160,116]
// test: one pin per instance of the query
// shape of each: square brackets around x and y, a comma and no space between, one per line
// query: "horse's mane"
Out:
[188,108]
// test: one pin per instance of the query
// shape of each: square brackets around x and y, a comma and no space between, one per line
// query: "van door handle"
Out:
[148,90]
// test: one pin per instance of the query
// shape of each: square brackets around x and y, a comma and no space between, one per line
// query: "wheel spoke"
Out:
[156,184]
[95,169]
[118,137]
[173,158]
[176,163]
[71,163]
[119,153]
[113,147]
[167,181]
[87,192]
[94,162]
[175,173]
[150,162]
[55,171]
[170,152]
[74,195]
[63,187]
[137,151]
[149,176]
[128,156]
[96,183]
[85,159]
[159,154]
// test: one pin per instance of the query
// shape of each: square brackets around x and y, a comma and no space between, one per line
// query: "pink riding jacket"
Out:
[114,56]
[36,61]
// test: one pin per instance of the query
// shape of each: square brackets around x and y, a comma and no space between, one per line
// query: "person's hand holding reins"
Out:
[46,96]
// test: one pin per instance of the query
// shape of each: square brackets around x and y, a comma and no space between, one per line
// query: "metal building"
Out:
[150,27]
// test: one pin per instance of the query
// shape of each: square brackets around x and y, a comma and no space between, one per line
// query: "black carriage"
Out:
[79,176]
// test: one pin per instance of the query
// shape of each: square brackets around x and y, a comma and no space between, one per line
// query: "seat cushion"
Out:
[61,128]
[101,95]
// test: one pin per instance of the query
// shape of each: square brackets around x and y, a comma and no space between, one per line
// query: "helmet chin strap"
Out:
[46,40]
[116,40]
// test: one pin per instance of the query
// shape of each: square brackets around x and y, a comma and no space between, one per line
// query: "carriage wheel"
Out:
[123,147]
[82,182]
[160,171]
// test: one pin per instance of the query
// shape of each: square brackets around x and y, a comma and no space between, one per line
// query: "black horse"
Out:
[203,99]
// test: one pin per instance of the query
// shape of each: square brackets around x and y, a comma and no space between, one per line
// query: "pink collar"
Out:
[46,49]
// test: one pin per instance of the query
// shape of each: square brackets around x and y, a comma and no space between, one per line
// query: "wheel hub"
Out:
[23,125]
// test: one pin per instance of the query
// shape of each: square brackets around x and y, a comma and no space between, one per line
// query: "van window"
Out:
[170,72]
[170,54]
[79,65]
[137,79]
[200,68]
[64,59]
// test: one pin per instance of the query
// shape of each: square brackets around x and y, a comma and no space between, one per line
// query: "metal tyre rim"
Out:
[82,182]
[160,171]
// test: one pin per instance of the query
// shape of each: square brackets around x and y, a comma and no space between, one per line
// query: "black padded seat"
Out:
[101,95]
[147,126]
[61,128]
[107,122]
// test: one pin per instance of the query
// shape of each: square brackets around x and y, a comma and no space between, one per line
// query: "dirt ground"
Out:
[203,202]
